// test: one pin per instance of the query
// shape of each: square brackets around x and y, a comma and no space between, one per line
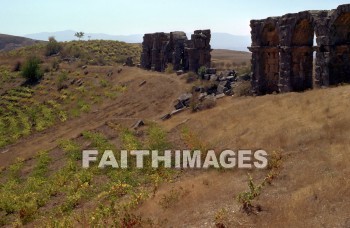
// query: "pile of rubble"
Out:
[222,85]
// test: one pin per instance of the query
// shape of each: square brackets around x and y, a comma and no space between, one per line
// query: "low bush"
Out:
[31,70]
[191,77]
[52,47]
[169,69]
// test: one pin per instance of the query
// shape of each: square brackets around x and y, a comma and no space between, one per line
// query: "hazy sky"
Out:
[116,17]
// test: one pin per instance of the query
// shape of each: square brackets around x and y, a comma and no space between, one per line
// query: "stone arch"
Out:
[269,35]
[302,42]
[270,57]
[339,64]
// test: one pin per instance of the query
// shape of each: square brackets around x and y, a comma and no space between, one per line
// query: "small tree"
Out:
[53,47]
[79,35]
[31,70]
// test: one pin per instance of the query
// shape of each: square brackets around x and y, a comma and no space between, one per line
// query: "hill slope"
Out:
[305,134]
[8,42]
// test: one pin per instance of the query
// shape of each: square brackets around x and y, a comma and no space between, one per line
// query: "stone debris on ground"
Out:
[129,62]
[138,124]
[142,83]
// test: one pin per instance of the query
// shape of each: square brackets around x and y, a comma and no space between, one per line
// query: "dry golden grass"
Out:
[311,129]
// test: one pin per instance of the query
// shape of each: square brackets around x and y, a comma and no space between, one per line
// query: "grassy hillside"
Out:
[88,100]
[66,90]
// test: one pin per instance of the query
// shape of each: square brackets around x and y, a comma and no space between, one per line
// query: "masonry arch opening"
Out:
[302,56]
[270,59]
[339,66]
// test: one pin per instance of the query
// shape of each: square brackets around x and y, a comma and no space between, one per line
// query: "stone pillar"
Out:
[284,84]
[255,69]
[177,42]
[199,50]
[158,51]
[146,55]
[322,67]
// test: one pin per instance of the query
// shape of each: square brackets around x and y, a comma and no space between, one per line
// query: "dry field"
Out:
[226,59]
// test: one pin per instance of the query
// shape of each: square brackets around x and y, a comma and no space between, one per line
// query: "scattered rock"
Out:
[166,116]
[79,82]
[129,62]
[245,77]
[198,89]
[219,96]
[142,83]
[231,78]
[73,81]
[213,78]
[63,86]
[231,73]
[177,111]
[179,72]
[211,71]
[207,77]
[223,87]
[183,101]
[109,73]
[138,124]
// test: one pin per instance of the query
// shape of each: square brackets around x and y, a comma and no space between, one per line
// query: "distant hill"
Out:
[219,40]
[8,42]
[229,41]
[68,35]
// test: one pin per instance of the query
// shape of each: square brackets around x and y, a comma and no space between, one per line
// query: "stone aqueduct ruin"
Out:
[283,50]
[160,49]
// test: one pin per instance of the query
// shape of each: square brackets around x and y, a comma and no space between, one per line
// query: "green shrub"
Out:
[62,79]
[31,70]
[169,69]
[103,83]
[52,47]
[202,70]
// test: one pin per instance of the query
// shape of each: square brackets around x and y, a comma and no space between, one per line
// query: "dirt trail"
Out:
[149,101]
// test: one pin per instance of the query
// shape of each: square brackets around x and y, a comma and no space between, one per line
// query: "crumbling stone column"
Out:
[159,42]
[199,50]
[146,55]
[177,43]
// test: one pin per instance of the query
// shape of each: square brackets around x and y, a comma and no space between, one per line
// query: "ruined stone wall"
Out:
[161,49]
[283,50]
